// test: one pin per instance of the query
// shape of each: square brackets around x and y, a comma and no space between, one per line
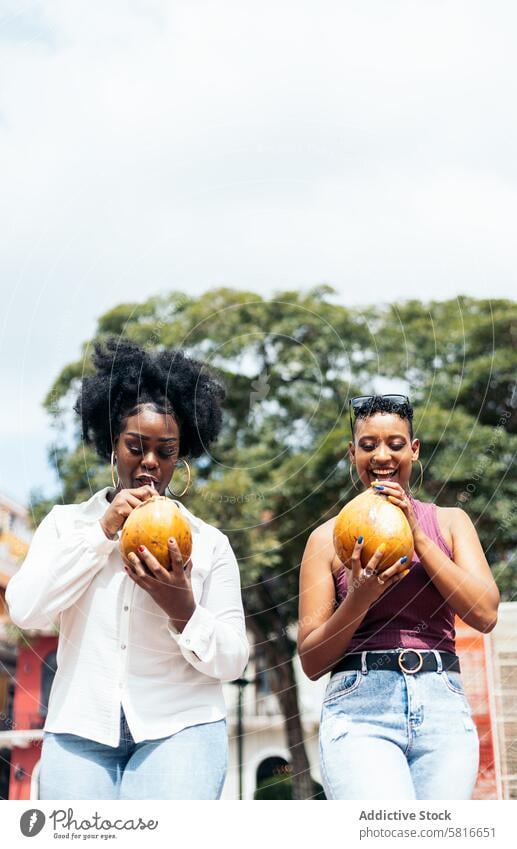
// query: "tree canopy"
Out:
[290,363]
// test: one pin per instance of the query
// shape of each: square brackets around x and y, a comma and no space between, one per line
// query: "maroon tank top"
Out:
[412,613]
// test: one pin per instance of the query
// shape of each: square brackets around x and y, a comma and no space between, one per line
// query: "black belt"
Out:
[407,660]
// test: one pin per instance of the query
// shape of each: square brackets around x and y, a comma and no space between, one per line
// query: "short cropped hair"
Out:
[379,404]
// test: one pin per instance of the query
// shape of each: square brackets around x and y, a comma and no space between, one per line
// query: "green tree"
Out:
[290,363]
[459,359]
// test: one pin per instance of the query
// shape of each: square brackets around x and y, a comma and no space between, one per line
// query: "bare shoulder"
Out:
[446,514]
[461,522]
[321,546]
[453,517]
[325,532]
[454,523]
[445,519]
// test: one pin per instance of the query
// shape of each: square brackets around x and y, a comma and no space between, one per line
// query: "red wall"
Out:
[26,714]
[471,648]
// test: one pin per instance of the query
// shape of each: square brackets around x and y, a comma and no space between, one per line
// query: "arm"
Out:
[214,639]
[466,581]
[211,634]
[57,570]
[324,631]
[65,555]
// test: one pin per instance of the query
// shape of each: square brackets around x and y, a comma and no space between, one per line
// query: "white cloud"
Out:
[154,145]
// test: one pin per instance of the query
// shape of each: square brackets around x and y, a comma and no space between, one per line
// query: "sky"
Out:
[151,145]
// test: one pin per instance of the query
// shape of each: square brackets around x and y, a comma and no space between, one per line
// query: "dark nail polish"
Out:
[403,559]
[378,487]
[140,547]
[360,539]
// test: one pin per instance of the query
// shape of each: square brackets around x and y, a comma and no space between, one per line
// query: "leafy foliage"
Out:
[290,363]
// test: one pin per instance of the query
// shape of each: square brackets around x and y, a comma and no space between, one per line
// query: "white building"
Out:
[264,730]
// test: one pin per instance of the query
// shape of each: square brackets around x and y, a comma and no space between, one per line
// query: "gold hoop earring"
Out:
[113,459]
[189,477]
[351,466]
[420,480]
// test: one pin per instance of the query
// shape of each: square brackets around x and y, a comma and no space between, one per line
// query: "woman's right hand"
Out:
[122,505]
[367,584]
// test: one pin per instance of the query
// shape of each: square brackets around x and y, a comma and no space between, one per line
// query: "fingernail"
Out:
[405,572]
[141,548]
[376,486]
[360,539]
[403,559]
[171,539]
[382,547]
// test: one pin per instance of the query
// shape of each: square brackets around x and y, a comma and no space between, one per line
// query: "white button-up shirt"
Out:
[116,645]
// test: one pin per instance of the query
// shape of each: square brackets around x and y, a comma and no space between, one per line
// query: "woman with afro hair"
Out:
[136,709]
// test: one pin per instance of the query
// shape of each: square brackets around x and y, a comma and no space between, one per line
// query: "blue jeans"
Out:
[389,735]
[188,765]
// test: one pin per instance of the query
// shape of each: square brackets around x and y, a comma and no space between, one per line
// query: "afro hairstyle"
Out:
[127,376]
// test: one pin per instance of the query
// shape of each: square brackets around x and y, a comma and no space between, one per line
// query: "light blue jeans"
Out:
[389,735]
[188,765]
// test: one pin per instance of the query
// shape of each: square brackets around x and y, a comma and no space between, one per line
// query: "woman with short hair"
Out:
[395,722]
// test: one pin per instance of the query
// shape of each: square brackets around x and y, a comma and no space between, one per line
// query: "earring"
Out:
[113,461]
[420,480]
[189,476]
[351,466]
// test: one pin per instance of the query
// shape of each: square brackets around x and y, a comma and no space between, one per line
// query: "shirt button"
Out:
[126,607]
[123,646]
[187,641]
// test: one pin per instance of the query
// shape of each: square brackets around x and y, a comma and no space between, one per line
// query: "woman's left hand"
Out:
[171,590]
[398,496]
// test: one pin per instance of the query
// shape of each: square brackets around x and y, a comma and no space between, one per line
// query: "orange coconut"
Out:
[378,521]
[151,524]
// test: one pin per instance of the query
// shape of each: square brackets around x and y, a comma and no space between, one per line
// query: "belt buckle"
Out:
[417,668]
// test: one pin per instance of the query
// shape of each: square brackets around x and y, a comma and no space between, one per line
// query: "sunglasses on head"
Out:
[360,400]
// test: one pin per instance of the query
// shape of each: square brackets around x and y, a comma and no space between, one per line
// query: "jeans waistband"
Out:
[409,661]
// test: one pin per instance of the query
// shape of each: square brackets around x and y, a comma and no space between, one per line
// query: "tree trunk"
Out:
[281,671]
